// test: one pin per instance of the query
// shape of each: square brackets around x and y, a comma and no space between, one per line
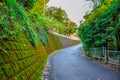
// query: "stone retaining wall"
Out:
[19,60]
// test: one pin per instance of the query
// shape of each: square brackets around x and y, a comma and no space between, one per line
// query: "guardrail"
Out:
[107,56]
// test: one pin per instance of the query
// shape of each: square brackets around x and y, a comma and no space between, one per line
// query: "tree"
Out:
[57,14]
[70,27]
[39,7]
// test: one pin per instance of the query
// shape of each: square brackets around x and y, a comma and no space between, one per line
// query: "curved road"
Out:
[70,64]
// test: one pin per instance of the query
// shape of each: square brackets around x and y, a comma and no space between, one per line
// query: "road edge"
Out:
[46,74]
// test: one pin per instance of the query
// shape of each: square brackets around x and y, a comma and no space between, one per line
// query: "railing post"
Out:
[102,53]
[119,61]
[106,56]
[87,53]
[94,53]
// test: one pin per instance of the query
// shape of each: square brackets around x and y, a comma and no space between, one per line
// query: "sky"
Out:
[75,9]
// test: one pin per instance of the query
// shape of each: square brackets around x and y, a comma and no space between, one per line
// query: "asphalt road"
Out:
[70,64]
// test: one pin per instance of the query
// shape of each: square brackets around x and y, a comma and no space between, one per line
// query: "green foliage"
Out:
[16,78]
[54,18]
[14,19]
[104,29]
[39,7]
[42,35]
[60,21]
[27,4]
[8,18]
[57,13]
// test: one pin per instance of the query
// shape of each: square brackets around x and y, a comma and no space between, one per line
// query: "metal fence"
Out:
[102,54]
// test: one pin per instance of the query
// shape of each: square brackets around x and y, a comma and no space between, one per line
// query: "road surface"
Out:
[71,64]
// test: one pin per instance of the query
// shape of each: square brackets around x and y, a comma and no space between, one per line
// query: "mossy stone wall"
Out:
[19,60]
[53,43]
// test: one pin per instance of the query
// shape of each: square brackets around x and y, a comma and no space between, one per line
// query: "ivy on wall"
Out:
[14,19]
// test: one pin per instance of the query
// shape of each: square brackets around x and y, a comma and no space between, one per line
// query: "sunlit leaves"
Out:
[98,11]
[39,7]
[1,4]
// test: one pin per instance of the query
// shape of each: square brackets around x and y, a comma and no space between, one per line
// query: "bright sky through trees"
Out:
[75,9]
